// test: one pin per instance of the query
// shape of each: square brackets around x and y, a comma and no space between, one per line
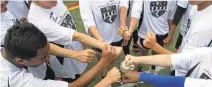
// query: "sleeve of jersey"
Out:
[183,4]
[54,32]
[162,81]
[198,39]
[191,82]
[181,61]
[137,9]
[23,79]
[86,14]
[124,3]
[172,11]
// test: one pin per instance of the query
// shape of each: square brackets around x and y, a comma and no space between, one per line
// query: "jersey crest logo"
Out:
[109,13]
[158,8]
[204,76]
[69,22]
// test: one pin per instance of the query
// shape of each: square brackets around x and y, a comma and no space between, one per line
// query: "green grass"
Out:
[80,28]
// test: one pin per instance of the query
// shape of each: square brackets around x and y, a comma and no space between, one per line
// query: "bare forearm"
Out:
[172,30]
[123,16]
[103,83]
[88,40]
[169,22]
[88,77]
[133,24]
[95,33]
[160,50]
[59,51]
[158,60]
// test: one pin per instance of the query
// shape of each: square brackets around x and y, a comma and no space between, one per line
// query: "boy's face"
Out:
[41,57]
[49,3]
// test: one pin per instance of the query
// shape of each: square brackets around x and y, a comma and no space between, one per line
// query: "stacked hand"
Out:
[125,33]
[168,40]
[118,50]
[113,75]
[85,56]
[131,60]
[131,77]
[150,40]
[109,54]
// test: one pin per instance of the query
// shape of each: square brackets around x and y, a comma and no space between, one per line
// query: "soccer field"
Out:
[80,28]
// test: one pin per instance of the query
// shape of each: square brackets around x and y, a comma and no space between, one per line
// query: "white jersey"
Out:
[7,21]
[190,82]
[104,14]
[58,25]
[187,19]
[18,8]
[200,59]
[199,33]
[12,76]
[156,15]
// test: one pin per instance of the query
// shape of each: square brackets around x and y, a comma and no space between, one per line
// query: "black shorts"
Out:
[179,41]
[159,40]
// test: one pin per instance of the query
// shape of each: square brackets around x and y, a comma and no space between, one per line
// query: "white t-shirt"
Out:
[104,14]
[7,21]
[199,33]
[12,76]
[187,19]
[190,82]
[156,15]
[202,57]
[51,22]
[18,8]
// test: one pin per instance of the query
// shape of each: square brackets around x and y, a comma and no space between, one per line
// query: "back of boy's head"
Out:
[23,41]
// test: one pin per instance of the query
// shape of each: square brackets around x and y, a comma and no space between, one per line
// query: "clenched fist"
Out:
[85,56]
[109,54]
[113,75]
[125,33]
[150,40]
[121,30]
[131,77]
[131,60]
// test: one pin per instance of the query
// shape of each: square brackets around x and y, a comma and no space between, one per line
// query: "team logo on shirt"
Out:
[206,75]
[109,13]
[158,8]
[68,22]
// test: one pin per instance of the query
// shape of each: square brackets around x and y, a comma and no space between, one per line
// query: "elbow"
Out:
[77,36]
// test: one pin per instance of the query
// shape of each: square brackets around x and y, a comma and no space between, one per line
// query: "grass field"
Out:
[80,28]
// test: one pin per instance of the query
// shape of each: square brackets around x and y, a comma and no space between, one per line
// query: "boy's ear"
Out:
[19,61]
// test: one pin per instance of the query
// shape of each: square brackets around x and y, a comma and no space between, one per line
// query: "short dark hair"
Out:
[23,41]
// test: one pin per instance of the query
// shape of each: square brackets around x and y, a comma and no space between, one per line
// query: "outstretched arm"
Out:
[85,56]
[150,42]
[158,60]
[108,56]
